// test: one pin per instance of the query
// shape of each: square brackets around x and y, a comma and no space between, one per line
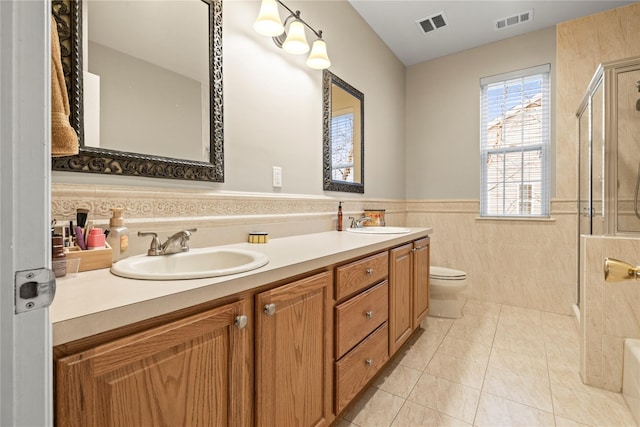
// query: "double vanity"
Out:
[291,342]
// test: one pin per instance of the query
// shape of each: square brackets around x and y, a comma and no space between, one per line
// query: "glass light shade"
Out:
[318,58]
[296,41]
[268,22]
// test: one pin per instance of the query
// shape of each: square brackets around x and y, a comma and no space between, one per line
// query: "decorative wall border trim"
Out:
[472,206]
[170,204]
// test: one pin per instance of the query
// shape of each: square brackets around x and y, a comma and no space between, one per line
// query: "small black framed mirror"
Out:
[155,144]
[343,135]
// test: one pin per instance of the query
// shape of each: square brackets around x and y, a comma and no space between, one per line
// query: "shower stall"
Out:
[609,153]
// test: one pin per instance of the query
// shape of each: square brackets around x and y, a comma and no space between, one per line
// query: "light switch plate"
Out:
[277,176]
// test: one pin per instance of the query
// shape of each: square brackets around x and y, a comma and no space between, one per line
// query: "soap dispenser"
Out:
[118,237]
[339,223]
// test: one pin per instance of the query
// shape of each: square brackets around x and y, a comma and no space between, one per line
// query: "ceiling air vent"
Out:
[510,21]
[432,23]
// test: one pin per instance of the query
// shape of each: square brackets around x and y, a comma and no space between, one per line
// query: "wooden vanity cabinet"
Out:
[296,354]
[293,379]
[190,372]
[408,290]
[421,262]
[361,328]
[400,296]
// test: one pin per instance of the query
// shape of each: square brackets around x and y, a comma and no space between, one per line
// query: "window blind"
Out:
[342,146]
[514,143]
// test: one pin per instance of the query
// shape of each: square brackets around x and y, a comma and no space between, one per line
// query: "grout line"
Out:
[502,317]
[495,332]
[546,359]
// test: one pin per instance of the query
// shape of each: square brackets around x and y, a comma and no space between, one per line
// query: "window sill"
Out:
[515,218]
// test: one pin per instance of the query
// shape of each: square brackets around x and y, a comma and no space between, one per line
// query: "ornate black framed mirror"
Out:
[155,144]
[343,135]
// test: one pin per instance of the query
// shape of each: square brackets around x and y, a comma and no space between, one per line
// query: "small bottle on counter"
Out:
[58,257]
[118,237]
[339,223]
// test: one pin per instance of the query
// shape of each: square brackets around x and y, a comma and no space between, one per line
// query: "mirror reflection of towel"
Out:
[64,140]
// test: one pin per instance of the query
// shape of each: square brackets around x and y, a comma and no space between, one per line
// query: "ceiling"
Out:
[469,23]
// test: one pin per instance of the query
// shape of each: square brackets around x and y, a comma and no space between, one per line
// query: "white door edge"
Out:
[25,174]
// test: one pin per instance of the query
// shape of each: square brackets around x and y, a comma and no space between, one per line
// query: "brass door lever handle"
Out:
[617,271]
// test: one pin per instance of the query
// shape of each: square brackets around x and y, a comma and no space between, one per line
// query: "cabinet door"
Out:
[293,354]
[191,372]
[400,296]
[420,280]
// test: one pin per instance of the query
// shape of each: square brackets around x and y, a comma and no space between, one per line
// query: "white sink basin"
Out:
[195,264]
[379,230]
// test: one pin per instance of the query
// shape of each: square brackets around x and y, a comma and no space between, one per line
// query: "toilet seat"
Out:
[443,273]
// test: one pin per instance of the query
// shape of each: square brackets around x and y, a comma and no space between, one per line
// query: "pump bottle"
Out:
[118,237]
[339,224]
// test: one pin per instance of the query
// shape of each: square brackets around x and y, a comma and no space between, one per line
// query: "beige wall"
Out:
[529,263]
[524,263]
[582,45]
[443,113]
[609,311]
[273,107]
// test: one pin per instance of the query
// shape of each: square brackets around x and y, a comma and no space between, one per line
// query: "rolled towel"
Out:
[64,140]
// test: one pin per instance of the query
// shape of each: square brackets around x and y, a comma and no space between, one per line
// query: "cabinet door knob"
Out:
[368,314]
[368,362]
[241,321]
[270,309]
[369,271]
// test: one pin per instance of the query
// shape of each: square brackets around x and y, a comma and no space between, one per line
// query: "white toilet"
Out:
[446,288]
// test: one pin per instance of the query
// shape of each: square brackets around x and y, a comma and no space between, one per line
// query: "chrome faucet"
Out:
[176,243]
[357,223]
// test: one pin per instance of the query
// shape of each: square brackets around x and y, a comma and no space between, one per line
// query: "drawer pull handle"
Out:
[241,321]
[369,271]
[368,314]
[270,309]
[368,362]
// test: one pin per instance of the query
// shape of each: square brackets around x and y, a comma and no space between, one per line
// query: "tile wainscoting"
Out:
[528,263]
[609,312]
[525,263]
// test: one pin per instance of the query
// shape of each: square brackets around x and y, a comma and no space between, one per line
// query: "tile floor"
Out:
[497,366]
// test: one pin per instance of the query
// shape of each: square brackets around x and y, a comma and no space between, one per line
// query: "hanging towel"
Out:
[64,140]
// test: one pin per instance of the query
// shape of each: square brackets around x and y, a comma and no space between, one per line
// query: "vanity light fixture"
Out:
[294,40]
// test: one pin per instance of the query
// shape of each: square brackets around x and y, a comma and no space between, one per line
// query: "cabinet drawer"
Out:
[355,369]
[358,275]
[359,316]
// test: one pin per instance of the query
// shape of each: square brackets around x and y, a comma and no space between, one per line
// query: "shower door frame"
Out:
[605,75]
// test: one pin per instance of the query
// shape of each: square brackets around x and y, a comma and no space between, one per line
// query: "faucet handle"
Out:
[183,236]
[154,249]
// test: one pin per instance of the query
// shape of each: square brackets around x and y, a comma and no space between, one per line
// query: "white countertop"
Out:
[97,301]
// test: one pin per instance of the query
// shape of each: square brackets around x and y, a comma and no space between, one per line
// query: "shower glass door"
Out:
[609,154]
[628,150]
[591,166]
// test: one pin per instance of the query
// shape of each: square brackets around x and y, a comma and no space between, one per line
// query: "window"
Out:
[514,144]
[342,146]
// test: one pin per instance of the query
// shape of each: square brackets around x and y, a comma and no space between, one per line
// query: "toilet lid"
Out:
[443,273]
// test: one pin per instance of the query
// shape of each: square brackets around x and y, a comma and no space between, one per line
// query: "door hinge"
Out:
[34,289]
